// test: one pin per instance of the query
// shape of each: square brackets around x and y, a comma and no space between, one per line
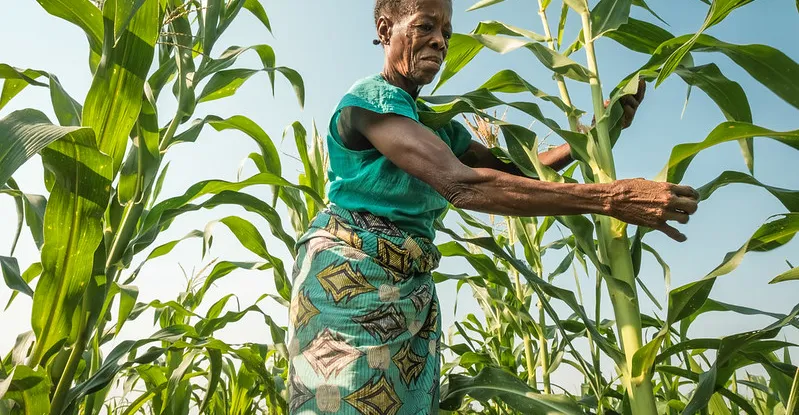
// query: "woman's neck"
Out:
[395,78]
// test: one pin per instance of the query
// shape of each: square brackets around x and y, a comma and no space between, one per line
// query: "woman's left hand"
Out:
[630,103]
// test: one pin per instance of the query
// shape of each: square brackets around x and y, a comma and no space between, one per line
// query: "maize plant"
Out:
[666,372]
[97,226]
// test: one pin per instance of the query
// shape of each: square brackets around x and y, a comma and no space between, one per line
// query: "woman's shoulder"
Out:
[375,94]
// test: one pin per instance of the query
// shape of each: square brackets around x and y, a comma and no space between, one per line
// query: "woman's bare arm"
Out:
[422,154]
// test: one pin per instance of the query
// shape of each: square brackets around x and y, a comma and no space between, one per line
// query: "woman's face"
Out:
[417,42]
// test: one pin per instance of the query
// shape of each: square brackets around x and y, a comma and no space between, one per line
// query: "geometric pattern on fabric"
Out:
[421,297]
[377,224]
[303,310]
[299,392]
[363,335]
[386,322]
[342,231]
[376,398]
[430,326]
[343,281]
[409,363]
[329,354]
[393,257]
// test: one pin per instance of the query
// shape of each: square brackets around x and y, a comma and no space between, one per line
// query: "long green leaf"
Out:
[728,95]
[719,10]
[464,47]
[483,3]
[769,66]
[112,366]
[788,198]
[29,388]
[642,4]
[25,133]
[689,298]
[608,15]
[728,349]
[82,13]
[10,269]
[255,7]
[16,80]
[125,10]
[683,154]
[793,401]
[640,36]
[225,83]
[33,271]
[73,230]
[115,97]
[494,382]
[246,126]
[251,239]
[229,57]
[791,275]
[209,23]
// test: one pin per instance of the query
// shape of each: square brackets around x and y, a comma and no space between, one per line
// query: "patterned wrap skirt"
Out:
[364,323]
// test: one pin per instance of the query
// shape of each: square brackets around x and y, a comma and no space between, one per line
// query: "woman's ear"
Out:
[384,28]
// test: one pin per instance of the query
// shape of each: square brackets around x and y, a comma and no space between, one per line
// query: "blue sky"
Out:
[329,43]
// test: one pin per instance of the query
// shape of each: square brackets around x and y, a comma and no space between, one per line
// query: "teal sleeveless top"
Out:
[365,180]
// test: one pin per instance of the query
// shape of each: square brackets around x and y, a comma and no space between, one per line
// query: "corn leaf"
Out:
[125,10]
[483,3]
[791,275]
[82,13]
[640,36]
[111,366]
[16,80]
[114,99]
[608,15]
[73,230]
[728,349]
[689,298]
[769,66]
[242,124]
[719,10]
[642,4]
[255,7]
[183,89]
[728,95]
[788,198]
[249,236]
[209,22]
[464,47]
[793,402]
[25,133]
[225,83]
[229,57]
[29,388]
[495,382]
[10,269]
[683,154]
[33,271]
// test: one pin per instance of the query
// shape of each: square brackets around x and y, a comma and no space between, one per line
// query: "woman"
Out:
[364,331]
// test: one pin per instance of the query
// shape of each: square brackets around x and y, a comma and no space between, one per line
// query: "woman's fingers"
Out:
[684,204]
[686,191]
[678,216]
[641,90]
[672,233]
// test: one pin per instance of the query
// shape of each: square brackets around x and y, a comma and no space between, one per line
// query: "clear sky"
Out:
[329,43]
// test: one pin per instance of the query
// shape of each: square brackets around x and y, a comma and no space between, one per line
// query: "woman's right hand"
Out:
[652,204]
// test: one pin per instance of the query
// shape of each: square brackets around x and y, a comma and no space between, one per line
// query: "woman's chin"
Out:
[425,78]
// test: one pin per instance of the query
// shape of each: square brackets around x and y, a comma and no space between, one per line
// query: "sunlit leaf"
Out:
[494,382]
[608,15]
